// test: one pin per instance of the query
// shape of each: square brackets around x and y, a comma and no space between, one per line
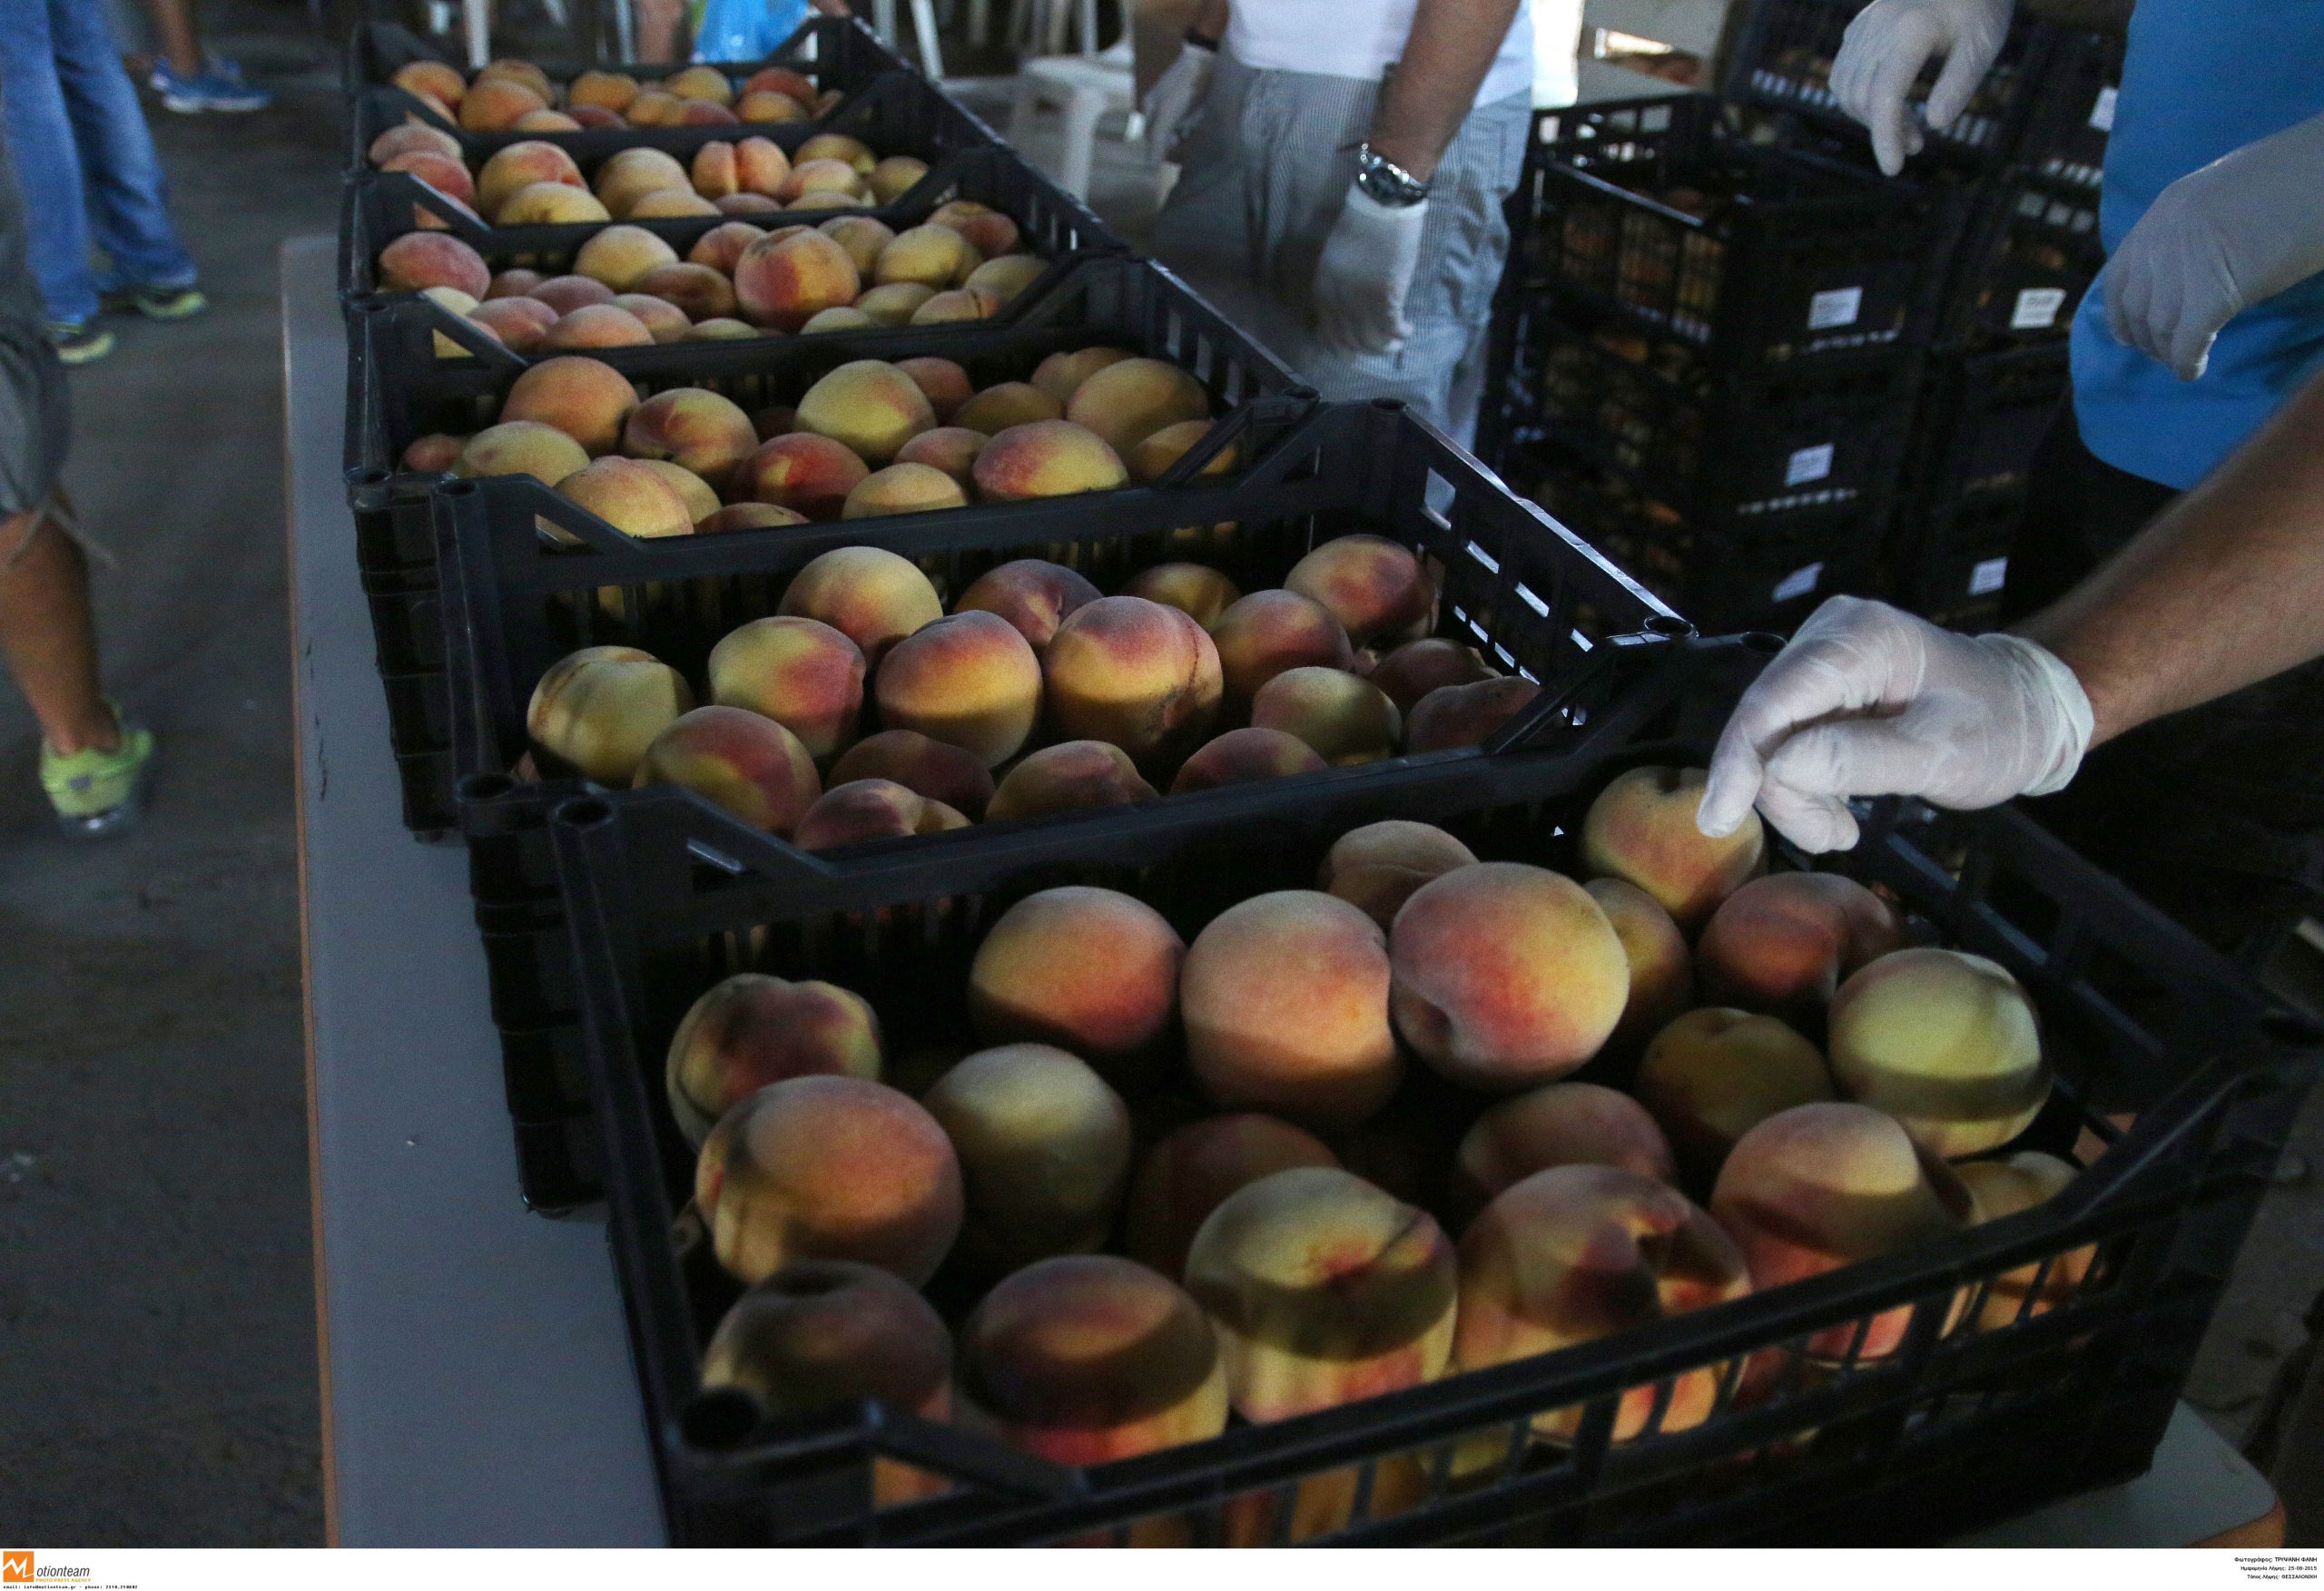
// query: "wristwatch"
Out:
[1386,182]
[1202,41]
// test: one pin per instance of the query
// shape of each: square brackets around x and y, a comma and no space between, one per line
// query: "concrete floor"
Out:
[156,1304]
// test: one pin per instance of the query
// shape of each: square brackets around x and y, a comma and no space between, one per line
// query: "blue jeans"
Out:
[84,156]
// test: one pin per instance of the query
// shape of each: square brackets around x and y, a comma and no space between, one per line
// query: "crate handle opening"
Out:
[586,813]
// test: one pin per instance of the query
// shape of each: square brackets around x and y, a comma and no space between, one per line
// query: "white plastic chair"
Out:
[1086,86]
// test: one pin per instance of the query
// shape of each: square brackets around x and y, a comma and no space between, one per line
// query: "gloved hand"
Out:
[1869,700]
[1881,55]
[1365,274]
[1175,98]
[2216,242]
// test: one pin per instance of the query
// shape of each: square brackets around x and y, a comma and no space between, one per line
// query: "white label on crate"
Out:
[2037,309]
[1799,582]
[1808,464]
[2102,114]
[1833,307]
[1988,576]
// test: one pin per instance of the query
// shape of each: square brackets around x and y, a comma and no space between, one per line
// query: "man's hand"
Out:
[1886,46]
[1869,700]
[1366,273]
[2216,242]
[1176,95]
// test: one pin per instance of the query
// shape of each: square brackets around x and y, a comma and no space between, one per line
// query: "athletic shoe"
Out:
[156,304]
[209,91]
[97,793]
[78,342]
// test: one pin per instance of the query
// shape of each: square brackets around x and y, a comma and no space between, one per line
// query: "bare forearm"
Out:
[1451,48]
[2223,591]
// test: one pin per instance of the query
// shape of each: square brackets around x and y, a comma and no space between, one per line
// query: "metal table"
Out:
[476,1382]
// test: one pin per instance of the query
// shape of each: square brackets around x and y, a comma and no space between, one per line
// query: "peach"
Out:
[903,489]
[1715,1074]
[1061,374]
[1091,970]
[829,1168]
[1151,459]
[517,71]
[691,489]
[763,106]
[840,318]
[612,90]
[565,294]
[895,305]
[1376,867]
[429,260]
[934,256]
[1033,594]
[1562,1123]
[597,326]
[459,303]
[1999,1188]
[872,809]
[1130,672]
[655,107]
[712,170]
[663,321]
[629,495]
[862,236]
[587,400]
[516,284]
[801,673]
[1506,975]
[1641,827]
[749,766]
[700,83]
[1285,1001]
[749,1030]
[1453,716]
[495,105]
[1819,1186]
[868,404]
[439,451]
[1345,719]
[869,594]
[1783,943]
[1267,633]
[619,255]
[1663,981]
[749,516]
[432,78]
[933,769]
[520,323]
[1579,1252]
[411,138]
[1088,1358]
[970,680]
[671,203]
[1195,1169]
[785,282]
[545,122]
[955,304]
[1044,1144]
[781,79]
[812,183]
[944,382]
[596,710]
[1067,777]
[721,246]
[1130,400]
[521,448]
[988,231]
[1199,592]
[523,165]
[1375,587]
[760,168]
[630,174]
[695,429]
[447,173]
[1944,1041]
[701,292]
[1417,667]
[896,176]
[705,114]
[1006,276]
[585,116]
[809,474]
[1241,756]
[549,203]
[852,152]
[1324,1290]
[744,203]
[1008,403]
[949,448]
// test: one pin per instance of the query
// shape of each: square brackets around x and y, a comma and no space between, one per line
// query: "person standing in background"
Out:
[1345,163]
[186,76]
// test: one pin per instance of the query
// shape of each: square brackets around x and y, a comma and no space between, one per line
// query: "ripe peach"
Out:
[852,152]
[612,90]
[1662,982]
[763,105]
[585,398]
[1263,634]
[894,305]
[630,174]
[1324,1291]
[1783,943]
[597,326]
[896,176]
[655,107]
[695,429]
[1131,672]
[930,768]
[1061,374]
[1507,975]
[412,138]
[1195,1169]
[747,765]
[760,168]
[671,203]
[712,170]
[971,680]
[1006,277]
[549,203]
[691,489]
[585,116]
[749,1030]
[1091,970]
[862,236]
[439,451]
[988,231]
[1579,1252]
[955,304]
[949,448]
[565,294]
[522,164]
[1715,1074]
[801,673]
[1088,1358]
[934,256]
[701,292]
[1999,1188]
[1130,400]
[1048,459]
[1241,756]
[432,78]
[781,79]
[1008,403]
[545,122]
[829,1168]
[1151,459]
[1944,1041]
[783,282]
[839,318]
[815,184]
[496,107]
[1642,828]
[1285,1000]
[701,83]
[1067,777]
[1417,667]
[628,495]
[944,382]
[705,114]
[1819,1186]
[1033,594]
[872,809]
[429,260]
[1201,593]
[1044,1144]
[521,448]
[1465,715]
[596,710]
[1345,719]
[812,475]
[1562,1124]
[1375,587]
[1376,867]
[618,255]
[723,245]
[903,489]
[870,405]
[517,283]
[748,516]
[517,71]
[869,594]
[447,173]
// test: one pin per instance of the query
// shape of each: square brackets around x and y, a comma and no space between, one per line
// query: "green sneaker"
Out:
[98,793]
[157,303]
[78,342]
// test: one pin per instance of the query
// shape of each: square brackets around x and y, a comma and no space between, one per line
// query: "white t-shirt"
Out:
[1359,38]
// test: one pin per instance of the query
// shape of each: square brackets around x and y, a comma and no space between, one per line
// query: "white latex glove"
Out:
[1175,98]
[1365,274]
[1881,55]
[1870,701]
[2216,242]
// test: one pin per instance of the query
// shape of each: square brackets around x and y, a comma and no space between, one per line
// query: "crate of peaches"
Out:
[960,674]
[1464,1153]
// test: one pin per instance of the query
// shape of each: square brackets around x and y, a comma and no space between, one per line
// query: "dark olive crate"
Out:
[2067,126]
[2031,251]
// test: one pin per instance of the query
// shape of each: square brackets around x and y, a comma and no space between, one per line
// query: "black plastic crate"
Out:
[2031,252]
[1518,586]
[1956,1429]
[1954,575]
[1654,210]
[2066,127]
